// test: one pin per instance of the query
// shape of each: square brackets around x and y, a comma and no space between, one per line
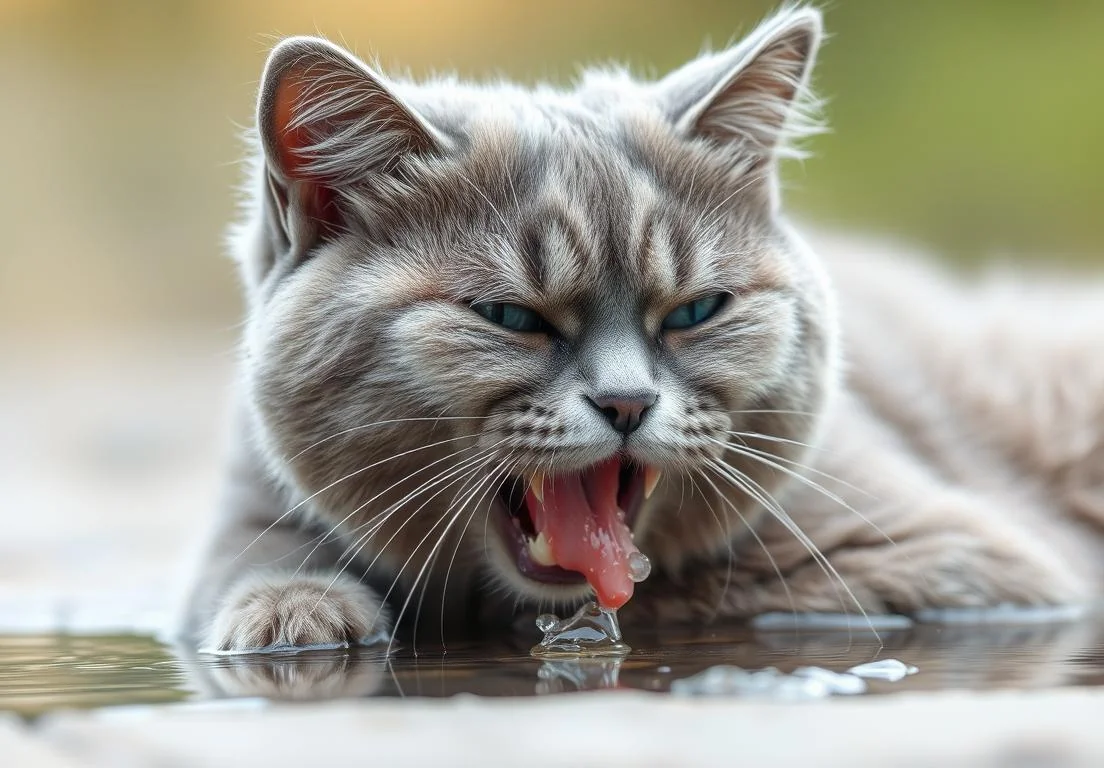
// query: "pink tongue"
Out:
[586,530]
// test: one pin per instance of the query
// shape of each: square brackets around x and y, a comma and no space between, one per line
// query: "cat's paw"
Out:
[300,610]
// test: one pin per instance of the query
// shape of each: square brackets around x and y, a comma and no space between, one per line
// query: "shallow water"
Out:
[43,673]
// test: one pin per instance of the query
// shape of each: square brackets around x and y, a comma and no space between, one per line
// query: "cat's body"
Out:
[969,430]
[456,292]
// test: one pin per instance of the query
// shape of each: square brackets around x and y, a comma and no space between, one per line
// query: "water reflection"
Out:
[42,673]
[562,675]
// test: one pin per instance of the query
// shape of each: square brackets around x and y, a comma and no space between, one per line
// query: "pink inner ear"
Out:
[291,140]
[315,197]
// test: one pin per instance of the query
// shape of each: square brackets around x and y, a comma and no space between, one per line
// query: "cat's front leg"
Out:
[270,609]
[268,581]
[948,553]
[931,553]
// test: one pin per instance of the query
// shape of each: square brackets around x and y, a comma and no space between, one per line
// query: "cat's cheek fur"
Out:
[287,609]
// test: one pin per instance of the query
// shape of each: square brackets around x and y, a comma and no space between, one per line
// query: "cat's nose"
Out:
[624,411]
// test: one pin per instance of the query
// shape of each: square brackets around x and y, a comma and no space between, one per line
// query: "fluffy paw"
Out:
[296,611]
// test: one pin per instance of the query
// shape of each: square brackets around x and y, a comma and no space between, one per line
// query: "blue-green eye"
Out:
[694,312]
[512,316]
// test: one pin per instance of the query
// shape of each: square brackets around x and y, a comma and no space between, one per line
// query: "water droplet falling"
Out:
[639,566]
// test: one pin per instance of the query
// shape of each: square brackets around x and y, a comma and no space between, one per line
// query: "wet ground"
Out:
[41,673]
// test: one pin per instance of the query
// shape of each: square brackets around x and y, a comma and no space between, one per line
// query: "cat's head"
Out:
[480,313]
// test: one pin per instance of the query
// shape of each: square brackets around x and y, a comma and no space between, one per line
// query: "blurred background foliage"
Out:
[970,126]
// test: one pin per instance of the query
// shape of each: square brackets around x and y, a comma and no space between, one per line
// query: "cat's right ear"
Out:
[327,122]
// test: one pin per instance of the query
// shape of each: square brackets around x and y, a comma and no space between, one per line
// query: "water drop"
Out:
[639,566]
[546,621]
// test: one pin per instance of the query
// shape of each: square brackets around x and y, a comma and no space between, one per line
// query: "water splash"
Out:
[591,631]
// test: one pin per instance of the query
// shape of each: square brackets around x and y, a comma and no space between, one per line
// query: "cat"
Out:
[502,342]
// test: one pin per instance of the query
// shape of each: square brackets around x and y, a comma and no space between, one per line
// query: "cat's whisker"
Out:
[353,550]
[340,480]
[509,465]
[776,411]
[448,514]
[776,439]
[385,422]
[457,474]
[771,460]
[475,499]
[424,483]
[795,463]
[467,469]
[431,559]
[337,525]
[469,464]
[754,489]
[758,539]
[726,532]
[453,510]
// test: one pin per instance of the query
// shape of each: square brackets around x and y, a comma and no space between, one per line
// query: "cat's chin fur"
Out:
[380,415]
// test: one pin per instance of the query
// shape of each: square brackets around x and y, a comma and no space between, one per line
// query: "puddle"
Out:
[43,673]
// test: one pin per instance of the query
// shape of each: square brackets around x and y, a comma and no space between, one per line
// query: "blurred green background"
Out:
[973,127]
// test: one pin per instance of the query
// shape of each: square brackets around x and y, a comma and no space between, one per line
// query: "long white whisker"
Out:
[386,422]
[377,521]
[756,536]
[762,457]
[794,462]
[749,485]
[508,466]
[769,411]
[410,594]
[430,561]
[298,506]
[455,474]
[726,532]
[395,484]
[475,498]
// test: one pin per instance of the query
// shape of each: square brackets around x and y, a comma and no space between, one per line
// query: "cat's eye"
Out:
[512,316]
[694,312]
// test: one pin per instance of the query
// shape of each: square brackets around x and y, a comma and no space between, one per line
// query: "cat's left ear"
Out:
[756,92]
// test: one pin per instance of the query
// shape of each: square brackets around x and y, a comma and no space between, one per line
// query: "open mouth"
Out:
[576,527]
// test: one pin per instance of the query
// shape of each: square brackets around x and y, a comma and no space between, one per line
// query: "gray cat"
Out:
[502,341]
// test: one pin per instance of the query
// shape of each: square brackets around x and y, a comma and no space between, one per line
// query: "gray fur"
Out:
[380,414]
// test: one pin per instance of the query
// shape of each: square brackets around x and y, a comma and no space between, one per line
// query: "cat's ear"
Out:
[326,122]
[756,92]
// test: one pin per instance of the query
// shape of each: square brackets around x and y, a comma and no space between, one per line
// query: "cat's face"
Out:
[512,334]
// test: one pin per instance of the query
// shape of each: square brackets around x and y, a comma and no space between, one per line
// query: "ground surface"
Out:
[107,480]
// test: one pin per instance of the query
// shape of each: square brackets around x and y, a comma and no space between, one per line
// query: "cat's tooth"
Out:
[651,480]
[536,484]
[540,550]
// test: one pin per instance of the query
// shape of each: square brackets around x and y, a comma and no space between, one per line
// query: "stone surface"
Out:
[20,747]
[948,730]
